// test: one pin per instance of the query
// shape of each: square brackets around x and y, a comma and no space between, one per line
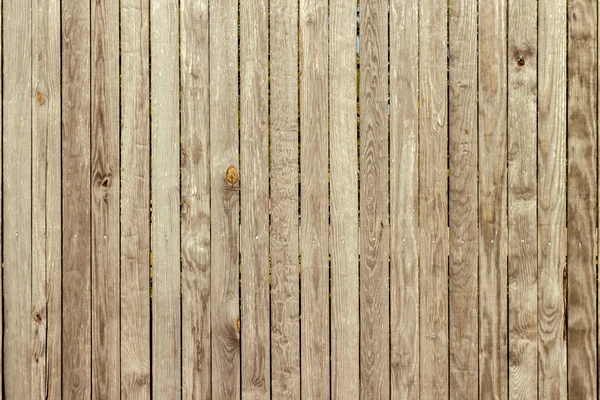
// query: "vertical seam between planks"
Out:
[358,184]
[389,201]
[507,36]
[269,195]
[448,313]
[329,191]
[180,87]
[61,203]
[90,200]
[299,204]
[239,194]
[537,191]
[566,239]
[418,238]
[209,209]
[150,198]
[477,52]
[120,196]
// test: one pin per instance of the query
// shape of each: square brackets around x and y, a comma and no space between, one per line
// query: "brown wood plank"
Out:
[522,199]
[433,203]
[76,196]
[285,323]
[224,212]
[195,199]
[374,214]
[552,169]
[464,235]
[582,125]
[135,200]
[343,151]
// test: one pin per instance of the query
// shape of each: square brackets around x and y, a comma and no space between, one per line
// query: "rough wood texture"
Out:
[314,208]
[135,200]
[224,212]
[195,200]
[582,192]
[76,204]
[165,237]
[551,177]
[345,382]
[433,201]
[285,323]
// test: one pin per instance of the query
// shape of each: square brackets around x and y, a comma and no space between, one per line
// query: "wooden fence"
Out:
[319,199]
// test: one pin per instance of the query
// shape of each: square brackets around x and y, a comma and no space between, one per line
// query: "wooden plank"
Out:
[522,198]
[135,200]
[254,152]
[46,200]
[374,214]
[314,210]
[551,177]
[404,199]
[464,235]
[76,196]
[433,203]
[582,126]
[224,212]
[343,153]
[285,306]
[493,230]
[195,198]
[165,197]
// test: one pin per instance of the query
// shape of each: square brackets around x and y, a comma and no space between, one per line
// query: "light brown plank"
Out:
[374,214]
[285,307]
[343,151]
[522,199]
[552,169]
[135,200]
[433,203]
[582,139]
[314,208]
[463,267]
[195,200]
[225,200]
[76,196]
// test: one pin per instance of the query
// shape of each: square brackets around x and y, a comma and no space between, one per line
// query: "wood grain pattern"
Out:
[195,199]
[165,197]
[314,209]
[343,237]
[582,139]
[551,177]
[224,212]
[433,201]
[285,306]
[374,214]
[522,198]
[135,200]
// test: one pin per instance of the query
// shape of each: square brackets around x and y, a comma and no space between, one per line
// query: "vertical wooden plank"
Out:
[493,230]
[46,202]
[581,201]
[165,237]
[76,195]
[522,198]
[433,200]
[224,211]
[135,200]
[285,323]
[463,267]
[314,209]
[552,168]
[374,214]
[195,200]
[345,382]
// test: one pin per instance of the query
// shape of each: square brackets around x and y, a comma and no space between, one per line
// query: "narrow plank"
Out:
[464,235]
[165,197]
[314,210]
[522,199]
[76,196]
[254,243]
[19,321]
[582,100]
[135,200]
[225,199]
[433,203]
[374,214]
[285,306]
[551,177]
[343,153]
[195,199]
[46,201]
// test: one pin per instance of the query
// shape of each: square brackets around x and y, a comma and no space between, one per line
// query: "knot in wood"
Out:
[40,97]
[232,176]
